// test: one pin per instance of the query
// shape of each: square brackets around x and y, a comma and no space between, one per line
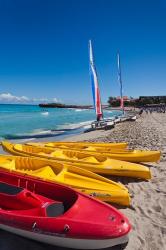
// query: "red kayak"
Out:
[58,215]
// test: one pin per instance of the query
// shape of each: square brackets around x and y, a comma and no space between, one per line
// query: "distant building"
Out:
[153,99]
[125,98]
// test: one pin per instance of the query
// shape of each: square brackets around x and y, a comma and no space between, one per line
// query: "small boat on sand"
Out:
[100,122]
[130,155]
[87,145]
[58,215]
[80,179]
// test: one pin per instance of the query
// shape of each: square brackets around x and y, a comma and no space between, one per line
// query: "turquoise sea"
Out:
[31,121]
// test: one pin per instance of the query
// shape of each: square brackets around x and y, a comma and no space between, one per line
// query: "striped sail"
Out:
[120,82]
[95,85]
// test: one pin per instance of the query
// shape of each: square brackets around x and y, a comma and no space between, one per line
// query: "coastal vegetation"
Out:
[61,105]
[115,102]
[137,102]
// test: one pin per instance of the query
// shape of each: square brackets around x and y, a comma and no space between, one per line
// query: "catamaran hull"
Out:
[67,242]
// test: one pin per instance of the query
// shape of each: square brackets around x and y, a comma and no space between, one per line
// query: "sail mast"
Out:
[120,83]
[95,85]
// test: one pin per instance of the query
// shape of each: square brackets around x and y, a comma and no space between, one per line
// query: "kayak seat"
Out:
[8,189]
[55,209]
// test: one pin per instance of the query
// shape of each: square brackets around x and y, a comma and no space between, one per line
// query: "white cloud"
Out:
[10,98]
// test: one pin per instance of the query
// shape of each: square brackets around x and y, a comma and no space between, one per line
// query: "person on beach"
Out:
[140,112]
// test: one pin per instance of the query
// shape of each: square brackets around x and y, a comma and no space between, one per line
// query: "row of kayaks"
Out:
[86,161]
[30,182]
[96,154]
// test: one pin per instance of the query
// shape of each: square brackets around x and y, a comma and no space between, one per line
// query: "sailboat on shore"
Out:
[100,122]
[125,115]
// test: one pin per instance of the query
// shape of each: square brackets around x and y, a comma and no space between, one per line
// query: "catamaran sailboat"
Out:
[124,117]
[100,122]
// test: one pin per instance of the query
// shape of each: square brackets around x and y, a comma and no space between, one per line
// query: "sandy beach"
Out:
[147,212]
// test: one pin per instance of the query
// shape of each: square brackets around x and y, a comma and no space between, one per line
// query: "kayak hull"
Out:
[86,145]
[67,242]
[115,167]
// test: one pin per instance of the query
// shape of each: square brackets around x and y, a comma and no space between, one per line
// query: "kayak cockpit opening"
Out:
[26,193]
[10,190]
[20,200]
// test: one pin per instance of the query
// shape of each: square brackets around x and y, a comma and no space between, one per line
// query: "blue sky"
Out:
[44,48]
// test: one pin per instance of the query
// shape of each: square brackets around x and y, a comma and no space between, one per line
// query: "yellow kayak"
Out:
[83,180]
[101,165]
[119,154]
[88,145]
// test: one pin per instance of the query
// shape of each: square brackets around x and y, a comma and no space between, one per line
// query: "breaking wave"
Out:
[45,113]
[33,135]
[68,128]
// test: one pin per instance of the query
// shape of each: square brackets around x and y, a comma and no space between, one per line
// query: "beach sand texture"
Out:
[147,213]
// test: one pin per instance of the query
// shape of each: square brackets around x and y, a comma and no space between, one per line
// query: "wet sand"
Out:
[147,212]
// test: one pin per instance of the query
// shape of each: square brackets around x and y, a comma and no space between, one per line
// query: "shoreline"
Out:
[49,128]
[147,212]
[147,132]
